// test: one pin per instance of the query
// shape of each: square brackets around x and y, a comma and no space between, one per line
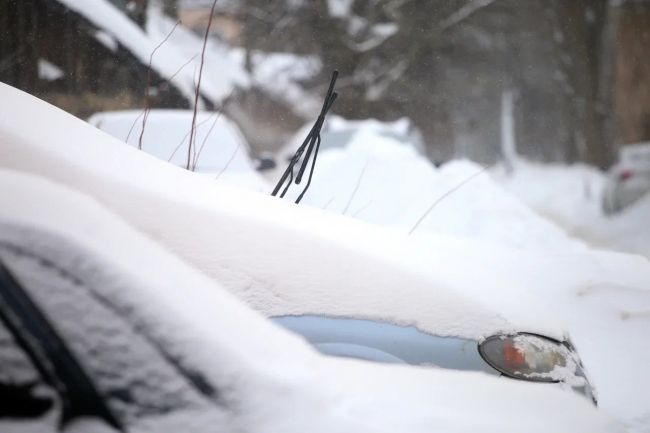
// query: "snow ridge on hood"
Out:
[280,258]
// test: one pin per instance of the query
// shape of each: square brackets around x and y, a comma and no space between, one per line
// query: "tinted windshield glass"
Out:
[23,392]
[130,372]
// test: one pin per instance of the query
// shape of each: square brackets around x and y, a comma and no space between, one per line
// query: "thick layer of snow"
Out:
[340,8]
[248,360]
[380,179]
[280,258]
[48,71]
[572,197]
[221,149]
[194,217]
[338,132]
[605,298]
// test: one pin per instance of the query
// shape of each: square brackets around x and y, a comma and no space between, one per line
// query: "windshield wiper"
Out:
[50,354]
[311,144]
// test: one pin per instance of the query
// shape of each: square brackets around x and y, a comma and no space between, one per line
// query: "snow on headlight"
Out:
[534,358]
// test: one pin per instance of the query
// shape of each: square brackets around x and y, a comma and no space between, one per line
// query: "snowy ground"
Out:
[570,196]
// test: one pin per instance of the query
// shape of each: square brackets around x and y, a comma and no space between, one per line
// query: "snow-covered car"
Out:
[286,261]
[629,179]
[338,133]
[219,148]
[103,330]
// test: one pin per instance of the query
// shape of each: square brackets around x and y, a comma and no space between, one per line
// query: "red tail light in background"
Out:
[625,175]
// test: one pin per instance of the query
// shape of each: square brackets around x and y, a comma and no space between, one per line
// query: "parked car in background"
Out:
[219,148]
[629,179]
[338,132]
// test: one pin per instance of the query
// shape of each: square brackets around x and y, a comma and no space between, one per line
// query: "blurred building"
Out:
[226,22]
[632,72]
[59,55]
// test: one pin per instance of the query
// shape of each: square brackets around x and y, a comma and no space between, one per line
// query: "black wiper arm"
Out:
[311,144]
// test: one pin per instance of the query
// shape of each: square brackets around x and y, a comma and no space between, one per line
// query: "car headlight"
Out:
[533,357]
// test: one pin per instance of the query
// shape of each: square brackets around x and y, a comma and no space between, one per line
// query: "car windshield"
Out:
[137,379]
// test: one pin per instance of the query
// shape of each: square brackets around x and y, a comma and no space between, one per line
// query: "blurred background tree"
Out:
[575,74]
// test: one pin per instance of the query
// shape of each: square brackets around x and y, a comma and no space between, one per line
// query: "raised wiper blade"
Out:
[311,144]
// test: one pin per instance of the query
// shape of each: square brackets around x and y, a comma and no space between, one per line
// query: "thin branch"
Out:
[463,13]
[361,209]
[187,134]
[135,121]
[232,157]
[214,123]
[190,153]
[356,188]
[133,126]
[146,102]
[182,67]
[328,203]
[195,161]
[442,197]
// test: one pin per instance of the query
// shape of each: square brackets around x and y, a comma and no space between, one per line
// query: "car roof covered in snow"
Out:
[250,361]
[281,258]
[220,145]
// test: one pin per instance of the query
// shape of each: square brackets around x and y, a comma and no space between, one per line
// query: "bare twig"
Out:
[146,101]
[187,134]
[214,123]
[232,157]
[328,203]
[463,13]
[133,126]
[167,81]
[442,197]
[195,161]
[356,188]
[182,67]
[198,87]
[361,209]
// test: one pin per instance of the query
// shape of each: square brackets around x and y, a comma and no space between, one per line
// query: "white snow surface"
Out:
[48,71]
[340,8]
[250,361]
[602,295]
[280,258]
[384,180]
[571,196]
[221,149]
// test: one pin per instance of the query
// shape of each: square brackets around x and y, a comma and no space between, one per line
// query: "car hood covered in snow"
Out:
[280,258]
[268,379]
